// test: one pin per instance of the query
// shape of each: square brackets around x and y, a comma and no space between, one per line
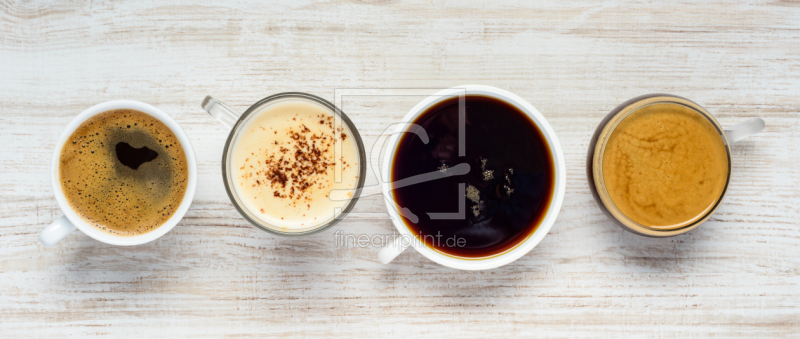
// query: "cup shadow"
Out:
[677,254]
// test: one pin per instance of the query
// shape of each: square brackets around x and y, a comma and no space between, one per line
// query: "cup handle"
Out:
[218,109]
[744,129]
[391,251]
[57,231]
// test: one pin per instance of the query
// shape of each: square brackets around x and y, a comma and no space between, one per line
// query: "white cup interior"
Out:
[558,190]
[91,230]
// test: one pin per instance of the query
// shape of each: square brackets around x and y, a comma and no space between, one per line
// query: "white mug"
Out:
[389,252]
[70,221]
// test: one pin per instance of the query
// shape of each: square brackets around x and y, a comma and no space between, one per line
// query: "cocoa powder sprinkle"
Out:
[292,178]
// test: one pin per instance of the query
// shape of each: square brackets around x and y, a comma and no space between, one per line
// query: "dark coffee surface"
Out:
[124,172]
[506,192]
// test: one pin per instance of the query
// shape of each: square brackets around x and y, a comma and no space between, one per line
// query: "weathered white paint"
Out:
[214,275]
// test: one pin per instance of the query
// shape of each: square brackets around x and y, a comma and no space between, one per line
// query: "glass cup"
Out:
[594,161]
[235,121]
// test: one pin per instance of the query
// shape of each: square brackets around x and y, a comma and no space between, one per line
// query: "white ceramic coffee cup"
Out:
[400,243]
[70,221]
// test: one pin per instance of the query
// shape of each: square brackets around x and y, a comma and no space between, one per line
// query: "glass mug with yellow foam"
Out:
[660,164]
[284,156]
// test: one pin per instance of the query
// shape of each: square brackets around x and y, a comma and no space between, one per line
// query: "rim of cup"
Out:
[92,231]
[559,188]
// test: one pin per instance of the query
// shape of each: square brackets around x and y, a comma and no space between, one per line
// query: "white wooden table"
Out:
[215,275]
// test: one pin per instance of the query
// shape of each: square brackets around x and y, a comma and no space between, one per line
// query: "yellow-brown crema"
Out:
[665,166]
[115,197]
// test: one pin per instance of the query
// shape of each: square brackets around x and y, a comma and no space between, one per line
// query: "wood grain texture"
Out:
[214,275]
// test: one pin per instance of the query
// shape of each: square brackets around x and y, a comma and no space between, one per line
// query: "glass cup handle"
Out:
[744,129]
[218,109]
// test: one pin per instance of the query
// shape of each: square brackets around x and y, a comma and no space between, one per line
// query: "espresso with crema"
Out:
[665,166]
[124,172]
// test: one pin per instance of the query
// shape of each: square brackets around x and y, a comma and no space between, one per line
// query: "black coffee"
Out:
[123,171]
[506,192]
